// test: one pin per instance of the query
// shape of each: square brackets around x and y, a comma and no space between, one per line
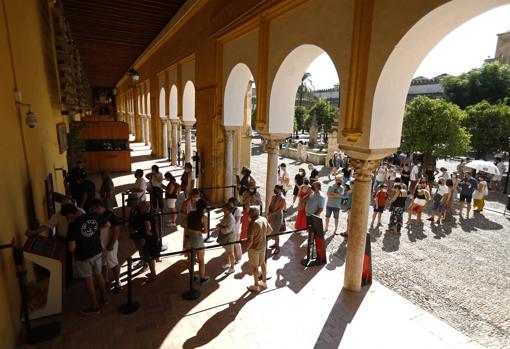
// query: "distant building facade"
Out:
[422,86]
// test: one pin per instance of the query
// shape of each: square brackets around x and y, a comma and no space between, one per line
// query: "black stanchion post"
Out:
[192,293]
[124,206]
[208,238]
[160,234]
[130,306]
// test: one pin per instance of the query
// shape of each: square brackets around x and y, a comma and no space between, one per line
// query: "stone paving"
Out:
[458,271]
[301,308]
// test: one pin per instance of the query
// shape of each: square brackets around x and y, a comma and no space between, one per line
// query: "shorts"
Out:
[256,257]
[110,259]
[89,267]
[194,240]
[230,247]
[170,203]
[334,210]
[466,198]
[437,206]
[379,209]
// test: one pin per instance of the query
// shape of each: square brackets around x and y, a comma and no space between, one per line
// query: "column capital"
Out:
[174,121]
[229,133]
[272,141]
[188,124]
[363,168]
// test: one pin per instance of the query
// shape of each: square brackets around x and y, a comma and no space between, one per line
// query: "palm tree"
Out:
[305,88]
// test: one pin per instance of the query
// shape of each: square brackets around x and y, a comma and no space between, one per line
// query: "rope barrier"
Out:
[131,306]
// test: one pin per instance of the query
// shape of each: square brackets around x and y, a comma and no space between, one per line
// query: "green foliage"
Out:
[434,126]
[489,126]
[305,89]
[324,113]
[300,115]
[76,146]
[254,119]
[491,82]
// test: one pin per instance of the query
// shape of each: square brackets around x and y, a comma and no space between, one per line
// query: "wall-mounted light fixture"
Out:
[30,119]
[133,74]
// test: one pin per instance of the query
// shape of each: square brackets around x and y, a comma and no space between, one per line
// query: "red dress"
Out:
[301,216]
[245,220]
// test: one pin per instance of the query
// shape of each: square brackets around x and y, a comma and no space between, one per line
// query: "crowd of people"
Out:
[93,229]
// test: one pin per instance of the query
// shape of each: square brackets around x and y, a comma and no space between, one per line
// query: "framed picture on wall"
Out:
[62,137]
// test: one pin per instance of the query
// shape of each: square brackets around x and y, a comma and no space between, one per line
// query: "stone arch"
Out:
[285,84]
[188,102]
[162,98]
[239,80]
[173,100]
[393,83]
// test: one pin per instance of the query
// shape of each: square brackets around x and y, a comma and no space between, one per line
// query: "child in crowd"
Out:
[380,198]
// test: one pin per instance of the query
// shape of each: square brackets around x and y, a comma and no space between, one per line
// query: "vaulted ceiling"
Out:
[111,34]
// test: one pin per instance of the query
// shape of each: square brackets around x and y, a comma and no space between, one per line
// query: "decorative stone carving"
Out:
[363,169]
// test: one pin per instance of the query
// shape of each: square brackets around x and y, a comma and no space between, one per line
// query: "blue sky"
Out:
[463,49]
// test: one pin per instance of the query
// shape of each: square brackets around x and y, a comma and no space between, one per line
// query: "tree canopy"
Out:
[434,126]
[324,113]
[489,125]
[300,115]
[491,82]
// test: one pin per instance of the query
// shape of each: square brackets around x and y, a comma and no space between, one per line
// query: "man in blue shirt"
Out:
[335,192]
[467,186]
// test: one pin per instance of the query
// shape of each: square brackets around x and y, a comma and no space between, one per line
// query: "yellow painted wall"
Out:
[26,25]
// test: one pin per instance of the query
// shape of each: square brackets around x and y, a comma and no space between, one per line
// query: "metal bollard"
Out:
[130,306]
[164,247]
[192,293]
[123,206]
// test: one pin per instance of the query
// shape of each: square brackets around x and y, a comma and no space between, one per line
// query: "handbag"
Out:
[224,238]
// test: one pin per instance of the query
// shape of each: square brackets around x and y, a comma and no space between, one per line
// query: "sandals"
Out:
[253,288]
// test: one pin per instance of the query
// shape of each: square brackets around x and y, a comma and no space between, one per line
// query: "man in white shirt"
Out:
[140,187]
[414,177]
[237,214]
[380,177]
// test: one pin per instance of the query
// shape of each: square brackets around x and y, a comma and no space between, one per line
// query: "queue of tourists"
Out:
[93,230]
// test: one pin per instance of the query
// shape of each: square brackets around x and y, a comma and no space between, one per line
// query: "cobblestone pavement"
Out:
[457,271]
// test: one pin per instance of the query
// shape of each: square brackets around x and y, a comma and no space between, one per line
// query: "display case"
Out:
[106,146]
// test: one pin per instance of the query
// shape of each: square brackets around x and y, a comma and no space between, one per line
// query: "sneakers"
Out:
[90,311]
[204,280]
[230,271]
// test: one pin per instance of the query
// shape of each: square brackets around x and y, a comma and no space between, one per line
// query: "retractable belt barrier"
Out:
[132,306]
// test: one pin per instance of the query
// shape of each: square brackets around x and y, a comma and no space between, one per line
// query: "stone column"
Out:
[229,159]
[142,125]
[358,222]
[272,147]
[147,131]
[175,127]
[165,137]
[187,139]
